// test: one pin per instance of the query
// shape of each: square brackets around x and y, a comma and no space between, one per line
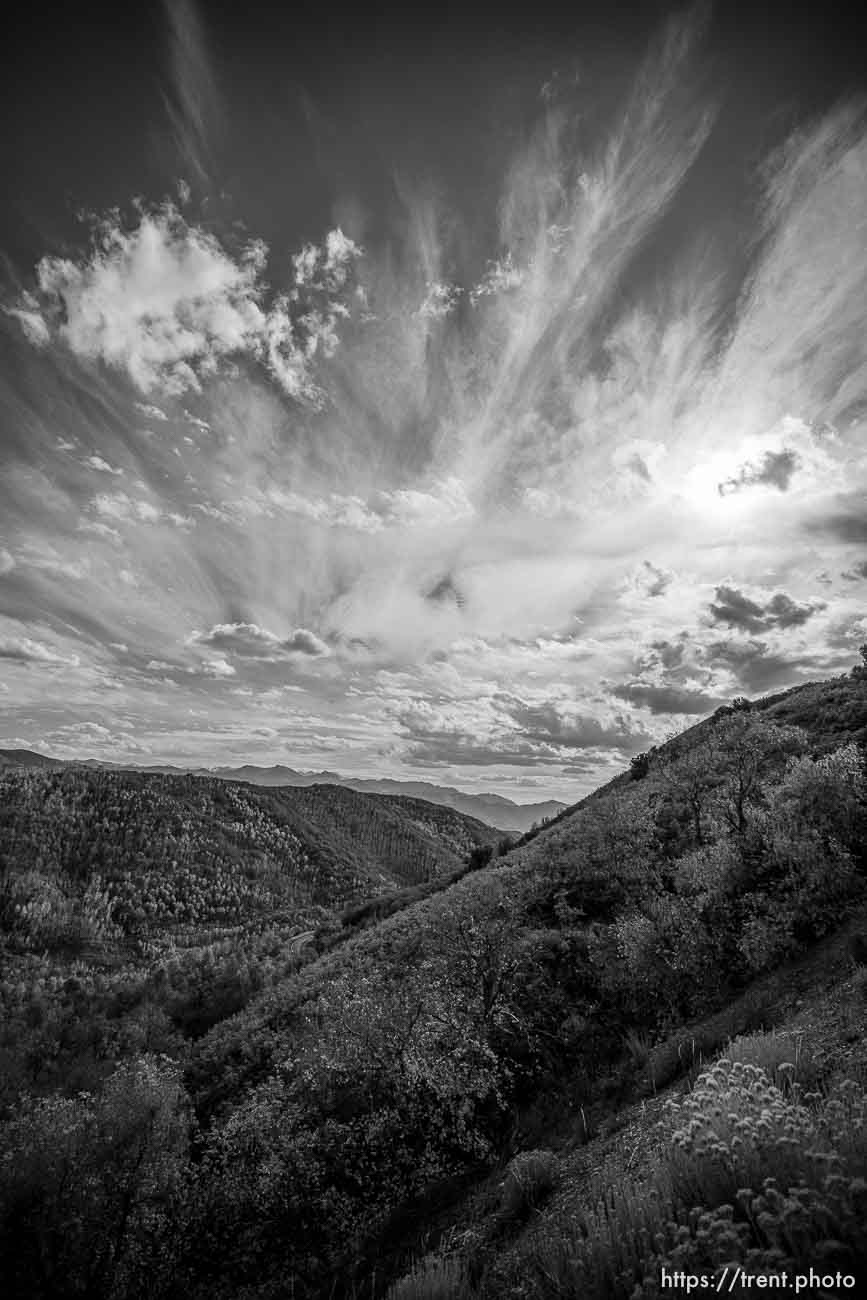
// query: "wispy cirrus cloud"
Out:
[25,650]
[191,97]
[487,504]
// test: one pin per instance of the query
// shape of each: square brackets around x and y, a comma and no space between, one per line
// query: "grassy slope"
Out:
[819,996]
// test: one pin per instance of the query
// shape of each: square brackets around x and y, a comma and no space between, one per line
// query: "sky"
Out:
[477,397]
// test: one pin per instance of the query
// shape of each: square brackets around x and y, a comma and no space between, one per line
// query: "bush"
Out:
[785,1056]
[530,1179]
[89,1185]
[737,1129]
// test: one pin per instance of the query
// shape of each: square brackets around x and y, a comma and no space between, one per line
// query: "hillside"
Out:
[492,809]
[26,758]
[354,1105]
[133,856]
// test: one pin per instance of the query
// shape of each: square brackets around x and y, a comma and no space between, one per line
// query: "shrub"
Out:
[530,1179]
[735,1129]
[785,1056]
[89,1185]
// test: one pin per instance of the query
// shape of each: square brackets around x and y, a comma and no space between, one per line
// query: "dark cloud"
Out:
[545,724]
[755,668]
[858,572]
[657,579]
[638,466]
[446,593]
[249,641]
[775,469]
[736,610]
[784,612]
[669,654]
[666,699]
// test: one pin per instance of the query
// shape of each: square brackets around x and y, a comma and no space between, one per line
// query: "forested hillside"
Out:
[492,809]
[291,1140]
[90,855]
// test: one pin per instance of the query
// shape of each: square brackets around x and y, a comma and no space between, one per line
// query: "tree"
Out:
[87,1185]
[689,780]
[746,750]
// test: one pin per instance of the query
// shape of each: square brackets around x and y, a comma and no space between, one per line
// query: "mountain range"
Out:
[493,809]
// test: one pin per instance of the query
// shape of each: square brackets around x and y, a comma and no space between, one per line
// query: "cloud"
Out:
[782,611]
[650,581]
[668,654]
[7,562]
[326,267]
[445,592]
[444,502]
[217,668]
[846,522]
[24,650]
[32,322]
[167,304]
[736,610]
[97,463]
[119,506]
[858,572]
[666,699]
[553,724]
[192,101]
[506,730]
[775,469]
[756,669]
[45,559]
[98,529]
[249,641]
[197,423]
[440,300]
[151,412]
[163,302]
[500,277]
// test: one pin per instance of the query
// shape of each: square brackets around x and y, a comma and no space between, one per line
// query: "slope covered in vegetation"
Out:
[289,1148]
[90,855]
